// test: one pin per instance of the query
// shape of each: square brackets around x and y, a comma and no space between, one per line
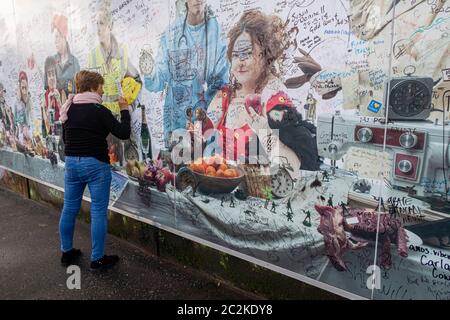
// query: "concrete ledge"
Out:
[14,183]
[226,268]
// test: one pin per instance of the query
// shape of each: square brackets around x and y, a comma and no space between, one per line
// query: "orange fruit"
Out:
[211,171]
[220,173]
[229,173]
[223,167]
[198,168]
[235,173]
[214,161]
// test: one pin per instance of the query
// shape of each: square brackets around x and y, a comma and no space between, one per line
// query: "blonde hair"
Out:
[88,80]
[104,10]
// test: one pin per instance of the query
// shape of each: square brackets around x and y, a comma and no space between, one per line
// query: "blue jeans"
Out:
[79,172]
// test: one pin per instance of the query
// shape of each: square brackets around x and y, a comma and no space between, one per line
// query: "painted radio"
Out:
[419,149]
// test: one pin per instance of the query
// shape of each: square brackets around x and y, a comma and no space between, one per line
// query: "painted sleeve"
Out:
[214,111]
[221,68]
[156,82]
[76,67]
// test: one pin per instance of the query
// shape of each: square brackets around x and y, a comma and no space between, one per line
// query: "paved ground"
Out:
[30,267]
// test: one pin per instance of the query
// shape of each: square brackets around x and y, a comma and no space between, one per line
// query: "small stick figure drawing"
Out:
[273,209]
[266,203]
[325,176]
[289,216]
[308,217]
[232,204]
[289,207]
[330,201]
[344,208]
[268,195]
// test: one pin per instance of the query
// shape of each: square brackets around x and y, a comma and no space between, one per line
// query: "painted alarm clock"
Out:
[281,180]
[409,97]
[146,62]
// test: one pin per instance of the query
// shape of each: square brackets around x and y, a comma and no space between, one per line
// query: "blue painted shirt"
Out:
[180,66]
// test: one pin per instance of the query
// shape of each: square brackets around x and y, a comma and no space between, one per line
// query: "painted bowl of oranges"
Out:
[215,175]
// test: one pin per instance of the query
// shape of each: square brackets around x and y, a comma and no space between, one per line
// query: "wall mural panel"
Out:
[307,136]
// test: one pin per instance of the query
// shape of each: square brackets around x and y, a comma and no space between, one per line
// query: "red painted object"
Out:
[392,137]
[412,175]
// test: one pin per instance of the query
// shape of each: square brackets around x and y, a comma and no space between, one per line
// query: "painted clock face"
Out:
[410,98]
[146,62]
[282,183]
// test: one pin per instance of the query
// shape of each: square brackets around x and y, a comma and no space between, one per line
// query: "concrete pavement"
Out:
[30,263]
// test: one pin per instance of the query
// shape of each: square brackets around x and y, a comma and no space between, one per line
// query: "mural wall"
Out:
[307,136]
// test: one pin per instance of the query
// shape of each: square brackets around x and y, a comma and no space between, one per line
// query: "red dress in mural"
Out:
[231,151]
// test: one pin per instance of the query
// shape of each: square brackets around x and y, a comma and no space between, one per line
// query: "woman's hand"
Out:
[256,113]
[123,104]
[257,121]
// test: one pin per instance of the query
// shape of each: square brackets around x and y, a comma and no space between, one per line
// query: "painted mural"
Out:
[307,136]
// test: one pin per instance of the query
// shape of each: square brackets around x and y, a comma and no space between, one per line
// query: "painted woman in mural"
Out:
[6,120]
[110,58]
[53,97]
[66,63]
[256,95]
[22,114]
[3,118]
[191,63]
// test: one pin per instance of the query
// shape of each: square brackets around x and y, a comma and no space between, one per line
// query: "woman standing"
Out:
[86,124]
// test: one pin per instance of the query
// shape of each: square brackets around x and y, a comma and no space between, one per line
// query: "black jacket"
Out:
[88,125]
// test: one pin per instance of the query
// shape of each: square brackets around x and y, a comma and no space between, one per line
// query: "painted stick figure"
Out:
[330,201]
[273,209]
[308,217]
[232,204]
[289,216]
[289,207]
[268,195]
[325,176]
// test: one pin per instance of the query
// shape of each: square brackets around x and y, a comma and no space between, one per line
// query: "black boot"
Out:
[70,257]
[104,263]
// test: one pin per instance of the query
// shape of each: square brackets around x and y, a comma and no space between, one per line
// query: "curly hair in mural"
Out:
[266,31]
